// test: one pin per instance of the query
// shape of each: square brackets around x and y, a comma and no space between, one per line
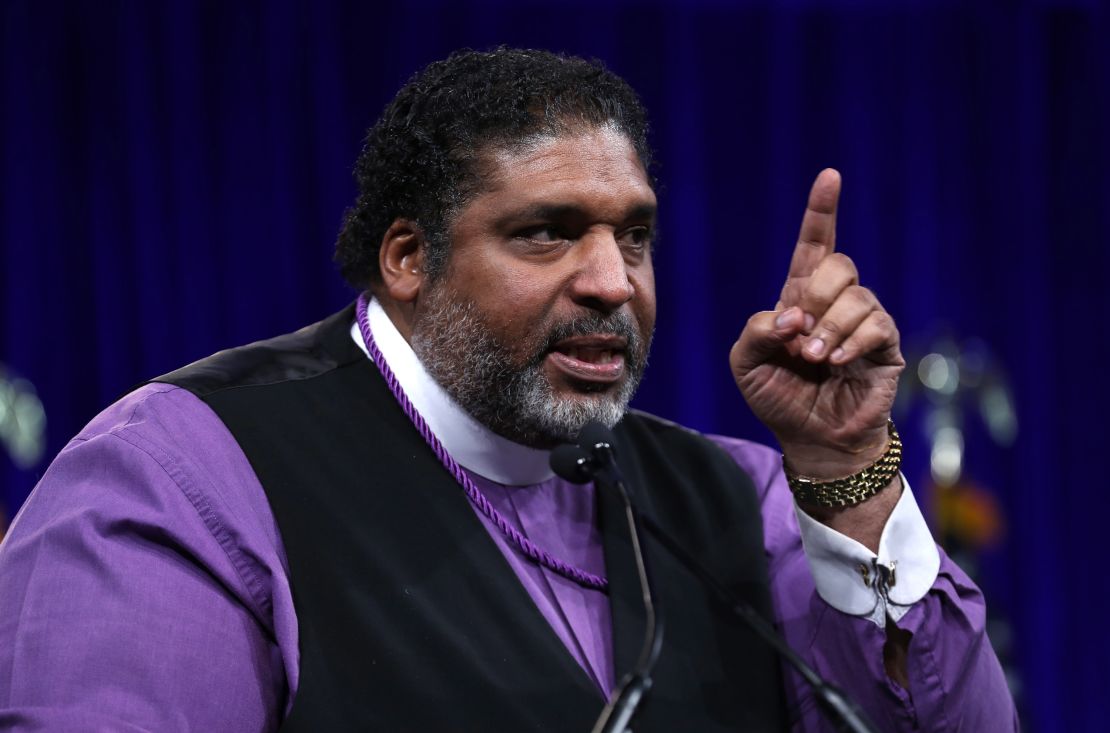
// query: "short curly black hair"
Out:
[422,159]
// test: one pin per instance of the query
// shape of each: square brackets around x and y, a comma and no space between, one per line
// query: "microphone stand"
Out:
[835,703]
[595,456]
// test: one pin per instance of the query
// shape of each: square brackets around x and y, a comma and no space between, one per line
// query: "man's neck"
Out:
[473,445]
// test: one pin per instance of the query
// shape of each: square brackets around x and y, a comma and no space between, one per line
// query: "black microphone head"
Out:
[595,434]
[572,463]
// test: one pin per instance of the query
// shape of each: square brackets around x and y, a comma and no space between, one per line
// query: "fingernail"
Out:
[816,347]
[782,319]
[810,322]
[837,354]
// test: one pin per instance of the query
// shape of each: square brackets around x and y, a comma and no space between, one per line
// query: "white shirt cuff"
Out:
[852,579]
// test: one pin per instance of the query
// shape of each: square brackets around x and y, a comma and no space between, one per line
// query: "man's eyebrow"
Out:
[641,212]
[563,212]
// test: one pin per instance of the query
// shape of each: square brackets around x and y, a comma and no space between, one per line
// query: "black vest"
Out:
[410,619]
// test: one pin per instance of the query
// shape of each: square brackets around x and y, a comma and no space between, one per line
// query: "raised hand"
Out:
[821,369]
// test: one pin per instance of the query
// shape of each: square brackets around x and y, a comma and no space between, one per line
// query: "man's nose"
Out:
[602,281]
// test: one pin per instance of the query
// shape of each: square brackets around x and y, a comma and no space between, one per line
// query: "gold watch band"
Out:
[854,489]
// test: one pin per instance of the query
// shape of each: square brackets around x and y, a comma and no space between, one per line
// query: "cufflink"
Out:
[884,577]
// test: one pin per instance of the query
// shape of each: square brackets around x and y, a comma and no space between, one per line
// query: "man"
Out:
[355,526]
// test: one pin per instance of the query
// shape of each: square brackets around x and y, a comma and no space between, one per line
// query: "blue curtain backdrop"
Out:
[173,175]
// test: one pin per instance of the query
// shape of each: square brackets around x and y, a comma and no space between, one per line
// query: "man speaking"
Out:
[355,526]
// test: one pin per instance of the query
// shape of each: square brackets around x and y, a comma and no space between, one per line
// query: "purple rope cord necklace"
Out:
[473,493]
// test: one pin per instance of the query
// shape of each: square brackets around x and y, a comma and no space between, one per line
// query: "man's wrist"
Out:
[827,463]
[853,489]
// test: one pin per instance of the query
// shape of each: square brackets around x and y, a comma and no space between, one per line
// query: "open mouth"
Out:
[598,359]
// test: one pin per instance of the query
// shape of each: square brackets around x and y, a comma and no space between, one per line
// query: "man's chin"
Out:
[568,414]
[587,395]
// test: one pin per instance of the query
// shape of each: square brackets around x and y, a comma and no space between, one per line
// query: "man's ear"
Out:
[401,260]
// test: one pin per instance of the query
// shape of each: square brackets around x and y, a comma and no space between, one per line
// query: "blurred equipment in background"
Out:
[956,379]
[951,376]
[22,426]
[22,420]
[949,383]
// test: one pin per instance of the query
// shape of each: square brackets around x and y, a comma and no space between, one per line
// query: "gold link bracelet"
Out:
[854,489]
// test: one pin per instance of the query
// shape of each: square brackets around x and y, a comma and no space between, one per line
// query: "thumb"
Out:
[765,335]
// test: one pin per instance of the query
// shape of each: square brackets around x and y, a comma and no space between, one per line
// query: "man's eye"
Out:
[637,237]
[542,234]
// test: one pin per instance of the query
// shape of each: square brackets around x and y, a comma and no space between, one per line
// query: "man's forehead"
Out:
[551,170]
[602,151]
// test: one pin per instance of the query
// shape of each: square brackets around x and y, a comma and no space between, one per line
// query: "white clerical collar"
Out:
[472,444]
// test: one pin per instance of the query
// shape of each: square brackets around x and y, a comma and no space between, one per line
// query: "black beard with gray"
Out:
[513,400]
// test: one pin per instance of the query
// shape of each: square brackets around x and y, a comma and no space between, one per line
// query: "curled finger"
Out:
[842,319]
[876,336]
[765,334]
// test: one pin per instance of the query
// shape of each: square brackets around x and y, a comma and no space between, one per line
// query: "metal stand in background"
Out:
[956,384]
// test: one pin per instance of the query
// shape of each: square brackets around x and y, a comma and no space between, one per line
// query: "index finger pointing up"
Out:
[817,238]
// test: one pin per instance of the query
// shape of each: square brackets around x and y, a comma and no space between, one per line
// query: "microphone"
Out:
[572,463]
[594,457]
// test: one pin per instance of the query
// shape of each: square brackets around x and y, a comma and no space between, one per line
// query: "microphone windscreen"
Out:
[594,434]
[572,463]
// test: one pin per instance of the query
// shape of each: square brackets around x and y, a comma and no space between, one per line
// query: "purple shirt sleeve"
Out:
[956,682]
[143,586]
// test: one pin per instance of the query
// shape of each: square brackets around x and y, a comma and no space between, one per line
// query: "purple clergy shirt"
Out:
[561,518]
[144,587]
